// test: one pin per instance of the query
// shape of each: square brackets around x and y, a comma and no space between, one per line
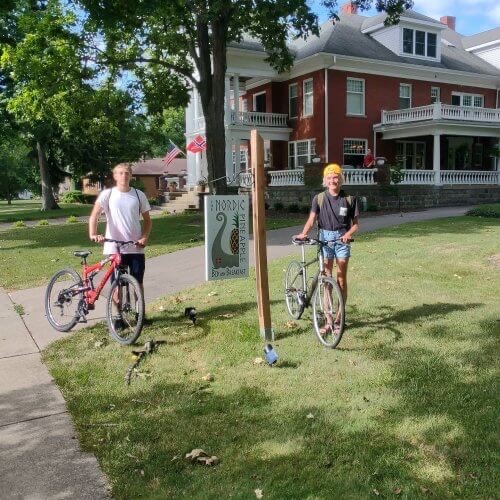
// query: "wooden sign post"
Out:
[259,235]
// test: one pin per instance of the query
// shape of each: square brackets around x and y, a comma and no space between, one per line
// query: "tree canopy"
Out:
[172,46]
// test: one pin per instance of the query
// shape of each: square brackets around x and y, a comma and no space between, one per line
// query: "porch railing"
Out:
[469,177]
[439,111]
[257,119]
[360,177]
[418,177]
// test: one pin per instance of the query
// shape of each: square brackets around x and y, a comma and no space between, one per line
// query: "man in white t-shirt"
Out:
[123,206]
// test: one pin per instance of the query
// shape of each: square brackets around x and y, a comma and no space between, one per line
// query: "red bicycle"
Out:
[70,297]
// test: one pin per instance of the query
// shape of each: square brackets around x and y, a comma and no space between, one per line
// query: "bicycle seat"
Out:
[82,253]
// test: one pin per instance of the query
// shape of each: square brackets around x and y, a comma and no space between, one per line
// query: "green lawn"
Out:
[30,210]
[407,407]
[34,254]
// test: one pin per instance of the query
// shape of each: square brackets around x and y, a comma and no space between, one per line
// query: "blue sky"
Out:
[472,16]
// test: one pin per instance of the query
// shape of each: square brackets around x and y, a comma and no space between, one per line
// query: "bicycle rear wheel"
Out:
[294,293]
[62,300]
[125,310]
[328,312]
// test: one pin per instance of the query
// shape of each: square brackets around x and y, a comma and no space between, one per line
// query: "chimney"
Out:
[449,21]
[349,8]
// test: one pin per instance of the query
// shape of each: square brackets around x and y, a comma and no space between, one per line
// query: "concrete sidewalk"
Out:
[39,453]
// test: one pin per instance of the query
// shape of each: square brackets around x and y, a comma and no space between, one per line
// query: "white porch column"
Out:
[196,103]
[236,93]
[198,166]
[436,159]
[229,155]
[237,146]
[227,100]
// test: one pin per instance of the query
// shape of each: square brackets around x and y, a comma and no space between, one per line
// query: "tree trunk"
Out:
[48,200]
[212,91]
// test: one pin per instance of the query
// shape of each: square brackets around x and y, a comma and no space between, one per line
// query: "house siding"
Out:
[390,37]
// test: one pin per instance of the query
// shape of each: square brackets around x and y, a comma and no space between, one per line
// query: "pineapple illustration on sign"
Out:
[220,258]
[235,234]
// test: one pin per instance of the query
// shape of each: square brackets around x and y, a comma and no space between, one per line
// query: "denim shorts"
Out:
[334,250]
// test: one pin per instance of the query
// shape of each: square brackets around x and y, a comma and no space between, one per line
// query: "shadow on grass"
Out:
[434,438]
[389,317]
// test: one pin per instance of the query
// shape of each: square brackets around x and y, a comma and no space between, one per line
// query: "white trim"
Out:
[438,93]
[256,83]
[404,70]
[304,98]
[462,94]
[437,25]
[364,96]
[483,46]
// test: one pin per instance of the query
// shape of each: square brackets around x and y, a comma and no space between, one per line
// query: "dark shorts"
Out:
[136,264]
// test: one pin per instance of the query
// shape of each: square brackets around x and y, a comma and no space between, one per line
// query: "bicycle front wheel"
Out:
[294,292]
[125,310]
[63,298]
[328,312]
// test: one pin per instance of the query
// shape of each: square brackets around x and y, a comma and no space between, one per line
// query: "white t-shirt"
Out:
[123,215]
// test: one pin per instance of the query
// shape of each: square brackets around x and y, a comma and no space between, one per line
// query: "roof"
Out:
[156,166]
[489,36]
[345,38]
[410,14]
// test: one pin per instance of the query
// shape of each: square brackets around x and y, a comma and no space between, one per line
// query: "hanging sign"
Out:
[226,237]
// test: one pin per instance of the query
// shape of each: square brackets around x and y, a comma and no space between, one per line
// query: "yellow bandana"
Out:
[332,168]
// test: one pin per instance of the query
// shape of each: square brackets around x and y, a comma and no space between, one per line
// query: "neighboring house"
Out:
[158,177]
[417,93]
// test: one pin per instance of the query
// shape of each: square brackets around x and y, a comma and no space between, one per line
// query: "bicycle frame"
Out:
[305,265]
[91,293]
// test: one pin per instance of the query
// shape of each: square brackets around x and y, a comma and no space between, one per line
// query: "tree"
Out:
[172,46]
[164,127]
[15,165]
[42,57]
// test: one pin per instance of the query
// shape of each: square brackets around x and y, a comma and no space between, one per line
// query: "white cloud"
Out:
[495,14]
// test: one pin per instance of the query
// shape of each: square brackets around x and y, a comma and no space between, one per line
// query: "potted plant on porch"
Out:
[202,185]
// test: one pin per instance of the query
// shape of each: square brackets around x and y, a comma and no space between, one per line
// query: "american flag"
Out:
[172,152]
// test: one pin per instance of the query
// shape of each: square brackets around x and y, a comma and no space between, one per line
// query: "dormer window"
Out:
[419,43]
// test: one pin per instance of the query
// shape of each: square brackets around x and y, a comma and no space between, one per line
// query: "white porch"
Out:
[365,177]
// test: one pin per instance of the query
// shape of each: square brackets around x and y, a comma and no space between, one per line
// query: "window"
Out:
[404,96]
[307,109]
[407,41]
[411,154]
[354,152]
[300,153]
[435,95]
[478,155]
[355,96]
[431,45]
[259,102]
[471,100]
[419,43]
[243,160]
[293,99]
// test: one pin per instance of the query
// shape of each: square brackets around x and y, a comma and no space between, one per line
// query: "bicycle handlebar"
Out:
[312,241]
[121,243]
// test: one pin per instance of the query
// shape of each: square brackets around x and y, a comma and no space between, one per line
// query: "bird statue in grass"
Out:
[191,312]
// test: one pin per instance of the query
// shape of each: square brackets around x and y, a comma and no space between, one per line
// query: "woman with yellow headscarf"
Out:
[337,215]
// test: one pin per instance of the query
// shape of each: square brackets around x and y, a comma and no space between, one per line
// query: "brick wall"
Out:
[412,197]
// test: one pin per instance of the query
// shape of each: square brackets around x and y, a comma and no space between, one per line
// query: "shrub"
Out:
[278,206]
[371,207]
[19,223]
[72,219]
[305,209]
[294,208]
[491,211]
[43,222]
[73,197]
[153,201]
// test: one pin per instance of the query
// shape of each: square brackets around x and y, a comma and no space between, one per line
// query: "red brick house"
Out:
[158,177]
[417,93]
